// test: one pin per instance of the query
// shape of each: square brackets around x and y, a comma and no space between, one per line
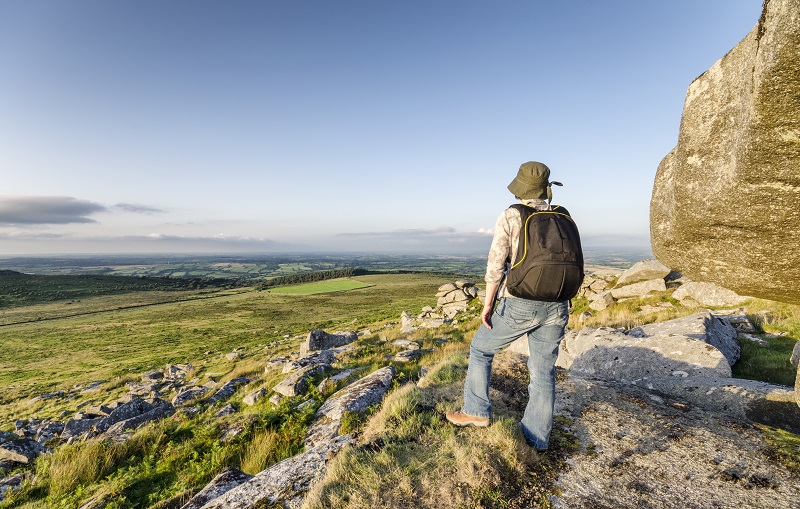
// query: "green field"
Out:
[334,285]
[55,354]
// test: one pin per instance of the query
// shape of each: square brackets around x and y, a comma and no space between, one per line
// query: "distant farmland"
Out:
[336,285]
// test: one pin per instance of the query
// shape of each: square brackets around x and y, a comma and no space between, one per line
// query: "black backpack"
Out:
[549,263]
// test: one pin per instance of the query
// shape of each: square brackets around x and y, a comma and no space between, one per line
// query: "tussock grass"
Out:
[408,455]
[83,463]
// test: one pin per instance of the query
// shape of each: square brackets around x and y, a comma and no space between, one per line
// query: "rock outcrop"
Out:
[726,200]
[283,483]
[355,398]
[218,486]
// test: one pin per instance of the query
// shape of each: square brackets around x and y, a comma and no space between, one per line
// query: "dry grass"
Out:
[83,463]
[265,449]
[409,456]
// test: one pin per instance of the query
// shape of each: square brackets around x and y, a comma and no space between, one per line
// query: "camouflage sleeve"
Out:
[500,251]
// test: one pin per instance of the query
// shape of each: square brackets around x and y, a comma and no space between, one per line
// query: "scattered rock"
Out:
[22,450]
[355,398]
[159,409]
[405,343]
[754,339]
[188,394]
[10,483]
[228,390]
[741,323]
[153,376]
[601,301]
[311,359]
[275,364]
[232,356]
[226,410]
[407,356]
[255,396]
[78,426]
[297,382]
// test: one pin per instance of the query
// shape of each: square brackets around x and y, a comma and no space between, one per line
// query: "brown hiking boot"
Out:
[461,419]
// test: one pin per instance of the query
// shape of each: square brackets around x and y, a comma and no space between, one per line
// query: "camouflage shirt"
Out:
[504,244]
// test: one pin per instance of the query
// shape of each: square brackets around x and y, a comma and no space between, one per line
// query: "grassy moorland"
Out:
[406,455]
[46,356]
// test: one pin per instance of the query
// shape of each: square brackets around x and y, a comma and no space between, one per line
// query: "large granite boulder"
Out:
[726,200]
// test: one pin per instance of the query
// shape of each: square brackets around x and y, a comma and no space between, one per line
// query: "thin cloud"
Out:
[40,210]
[413,232]
[137,208]
[438,240]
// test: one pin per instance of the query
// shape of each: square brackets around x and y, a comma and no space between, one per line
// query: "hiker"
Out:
[506,317]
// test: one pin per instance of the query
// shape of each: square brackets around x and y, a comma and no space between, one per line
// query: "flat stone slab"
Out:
[770,404]
[708,294]
[610,354]
[644,270]
[714,330]
[639,289]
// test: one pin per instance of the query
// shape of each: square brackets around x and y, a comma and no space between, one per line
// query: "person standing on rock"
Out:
[508,316]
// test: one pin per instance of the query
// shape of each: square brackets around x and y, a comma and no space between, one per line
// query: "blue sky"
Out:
[258,126]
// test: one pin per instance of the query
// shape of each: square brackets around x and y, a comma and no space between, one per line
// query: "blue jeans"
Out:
[544,323]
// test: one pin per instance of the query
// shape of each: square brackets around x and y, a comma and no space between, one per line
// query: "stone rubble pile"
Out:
[650,276]
[452,299]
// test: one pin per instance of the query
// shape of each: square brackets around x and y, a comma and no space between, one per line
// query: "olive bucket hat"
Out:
[532,182]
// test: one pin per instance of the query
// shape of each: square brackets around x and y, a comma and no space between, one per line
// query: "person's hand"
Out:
[486,316]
